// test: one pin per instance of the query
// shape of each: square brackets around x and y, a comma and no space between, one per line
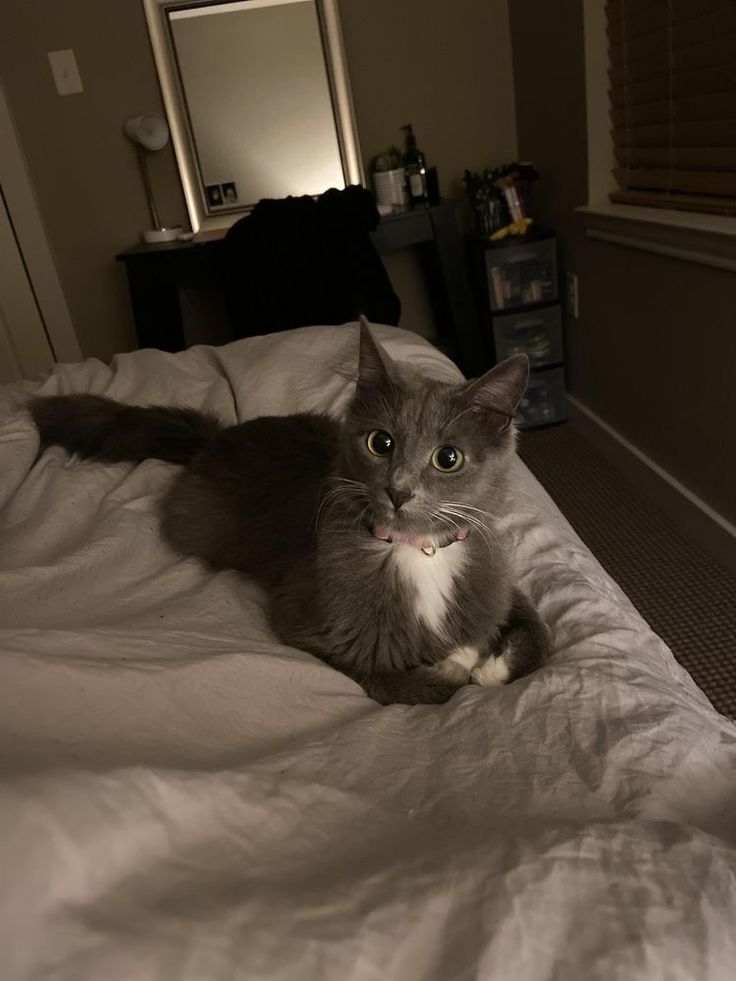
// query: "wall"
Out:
[83,168]
[653,352]
[445,68]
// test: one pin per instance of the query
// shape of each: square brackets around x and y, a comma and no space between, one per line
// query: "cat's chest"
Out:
[429,582]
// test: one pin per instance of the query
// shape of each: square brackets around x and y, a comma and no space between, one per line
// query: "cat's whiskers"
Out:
[486,533]
[471,507]
[447,522]
[486,536]
[343,490]
[469,513]
[346,526]
[335,495]
[360,520]
[345,480]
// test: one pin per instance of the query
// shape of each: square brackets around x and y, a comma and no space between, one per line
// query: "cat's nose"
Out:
[399,496]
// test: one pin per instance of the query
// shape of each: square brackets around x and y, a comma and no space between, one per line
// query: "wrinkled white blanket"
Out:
[183,797]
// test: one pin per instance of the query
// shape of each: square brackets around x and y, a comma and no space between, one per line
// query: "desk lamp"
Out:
[150,133]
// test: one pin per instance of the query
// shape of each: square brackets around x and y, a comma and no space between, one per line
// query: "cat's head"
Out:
[428,458]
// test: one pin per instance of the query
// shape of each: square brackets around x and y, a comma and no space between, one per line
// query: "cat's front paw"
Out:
[458,665]
[491,672]
[524,647]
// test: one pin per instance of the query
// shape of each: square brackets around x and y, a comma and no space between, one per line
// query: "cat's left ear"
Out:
[500,390]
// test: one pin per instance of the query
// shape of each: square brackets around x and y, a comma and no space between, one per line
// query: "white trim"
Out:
[698,520]
[31,237]
[706,239]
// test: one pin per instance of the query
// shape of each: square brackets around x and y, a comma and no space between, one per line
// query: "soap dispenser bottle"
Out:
[416,169]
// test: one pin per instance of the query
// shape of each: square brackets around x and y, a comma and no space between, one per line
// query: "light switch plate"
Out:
[65,72]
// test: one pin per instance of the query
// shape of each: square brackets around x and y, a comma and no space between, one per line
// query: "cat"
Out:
[373,537]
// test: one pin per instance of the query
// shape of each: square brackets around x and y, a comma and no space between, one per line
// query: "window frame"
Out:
[688,235]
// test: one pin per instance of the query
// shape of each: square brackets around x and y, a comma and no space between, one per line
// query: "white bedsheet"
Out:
[184,797]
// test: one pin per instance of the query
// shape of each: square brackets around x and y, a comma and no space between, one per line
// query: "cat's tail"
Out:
[100,428]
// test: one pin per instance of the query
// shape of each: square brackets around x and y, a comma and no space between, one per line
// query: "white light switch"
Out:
[65,72]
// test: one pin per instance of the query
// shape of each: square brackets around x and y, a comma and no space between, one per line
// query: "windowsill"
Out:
[706,239]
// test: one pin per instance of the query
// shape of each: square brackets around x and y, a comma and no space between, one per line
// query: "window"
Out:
[672,90]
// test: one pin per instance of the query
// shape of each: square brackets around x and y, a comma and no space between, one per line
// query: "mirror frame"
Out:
[156,12]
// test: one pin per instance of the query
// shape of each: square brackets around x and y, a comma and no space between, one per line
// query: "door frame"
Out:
[33,244]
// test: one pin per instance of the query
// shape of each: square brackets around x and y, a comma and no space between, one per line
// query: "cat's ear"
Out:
[500,390]
[374,365]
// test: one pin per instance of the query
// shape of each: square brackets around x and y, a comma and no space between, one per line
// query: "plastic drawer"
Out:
[544,400]
[518,275]
[536,333]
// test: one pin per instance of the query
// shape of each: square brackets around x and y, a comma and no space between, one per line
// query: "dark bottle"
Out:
[416,170]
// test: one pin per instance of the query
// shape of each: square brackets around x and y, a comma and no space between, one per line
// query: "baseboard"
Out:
[696,519]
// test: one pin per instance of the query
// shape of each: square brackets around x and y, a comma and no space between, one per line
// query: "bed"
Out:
[183,797]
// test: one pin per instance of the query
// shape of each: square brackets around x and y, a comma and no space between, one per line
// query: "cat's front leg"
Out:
[418,686]
[426,684]
[522,647]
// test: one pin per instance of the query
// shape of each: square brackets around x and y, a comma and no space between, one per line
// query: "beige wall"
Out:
[83,169]
[444,67]
[653,352]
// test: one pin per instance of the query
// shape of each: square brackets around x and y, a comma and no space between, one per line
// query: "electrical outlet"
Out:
[65,72]
[572,295]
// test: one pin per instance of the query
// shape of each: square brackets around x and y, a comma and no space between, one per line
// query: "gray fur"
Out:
[291,501]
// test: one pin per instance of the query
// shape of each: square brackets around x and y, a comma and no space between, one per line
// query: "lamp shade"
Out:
[149,131]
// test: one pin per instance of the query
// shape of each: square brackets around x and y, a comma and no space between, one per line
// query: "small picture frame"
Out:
[229,193]
[213,193]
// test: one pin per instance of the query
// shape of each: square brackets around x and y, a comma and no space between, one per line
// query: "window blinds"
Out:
[672,72]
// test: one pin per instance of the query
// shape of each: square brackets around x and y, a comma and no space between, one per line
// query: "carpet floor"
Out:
[686,598]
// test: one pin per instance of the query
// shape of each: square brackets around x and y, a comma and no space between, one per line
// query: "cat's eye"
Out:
[448,459]
[379,442]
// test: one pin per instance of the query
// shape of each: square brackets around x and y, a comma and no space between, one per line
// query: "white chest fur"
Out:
[431,578]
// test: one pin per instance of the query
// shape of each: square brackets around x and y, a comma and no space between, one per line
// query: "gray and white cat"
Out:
[373,537]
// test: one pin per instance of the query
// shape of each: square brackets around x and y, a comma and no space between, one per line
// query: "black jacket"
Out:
[300,261]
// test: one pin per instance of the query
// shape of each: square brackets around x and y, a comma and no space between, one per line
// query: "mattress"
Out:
[184,797]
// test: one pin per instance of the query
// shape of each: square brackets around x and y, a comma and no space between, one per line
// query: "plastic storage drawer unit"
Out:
[544,400]
[521,274]
[536,333]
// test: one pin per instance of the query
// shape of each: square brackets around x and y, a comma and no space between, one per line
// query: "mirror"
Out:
[258,101]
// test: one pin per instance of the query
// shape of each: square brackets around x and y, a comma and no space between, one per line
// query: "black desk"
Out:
[158,273]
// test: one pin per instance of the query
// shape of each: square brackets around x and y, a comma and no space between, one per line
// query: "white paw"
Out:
[458,665]
[493,671]
[466,657]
